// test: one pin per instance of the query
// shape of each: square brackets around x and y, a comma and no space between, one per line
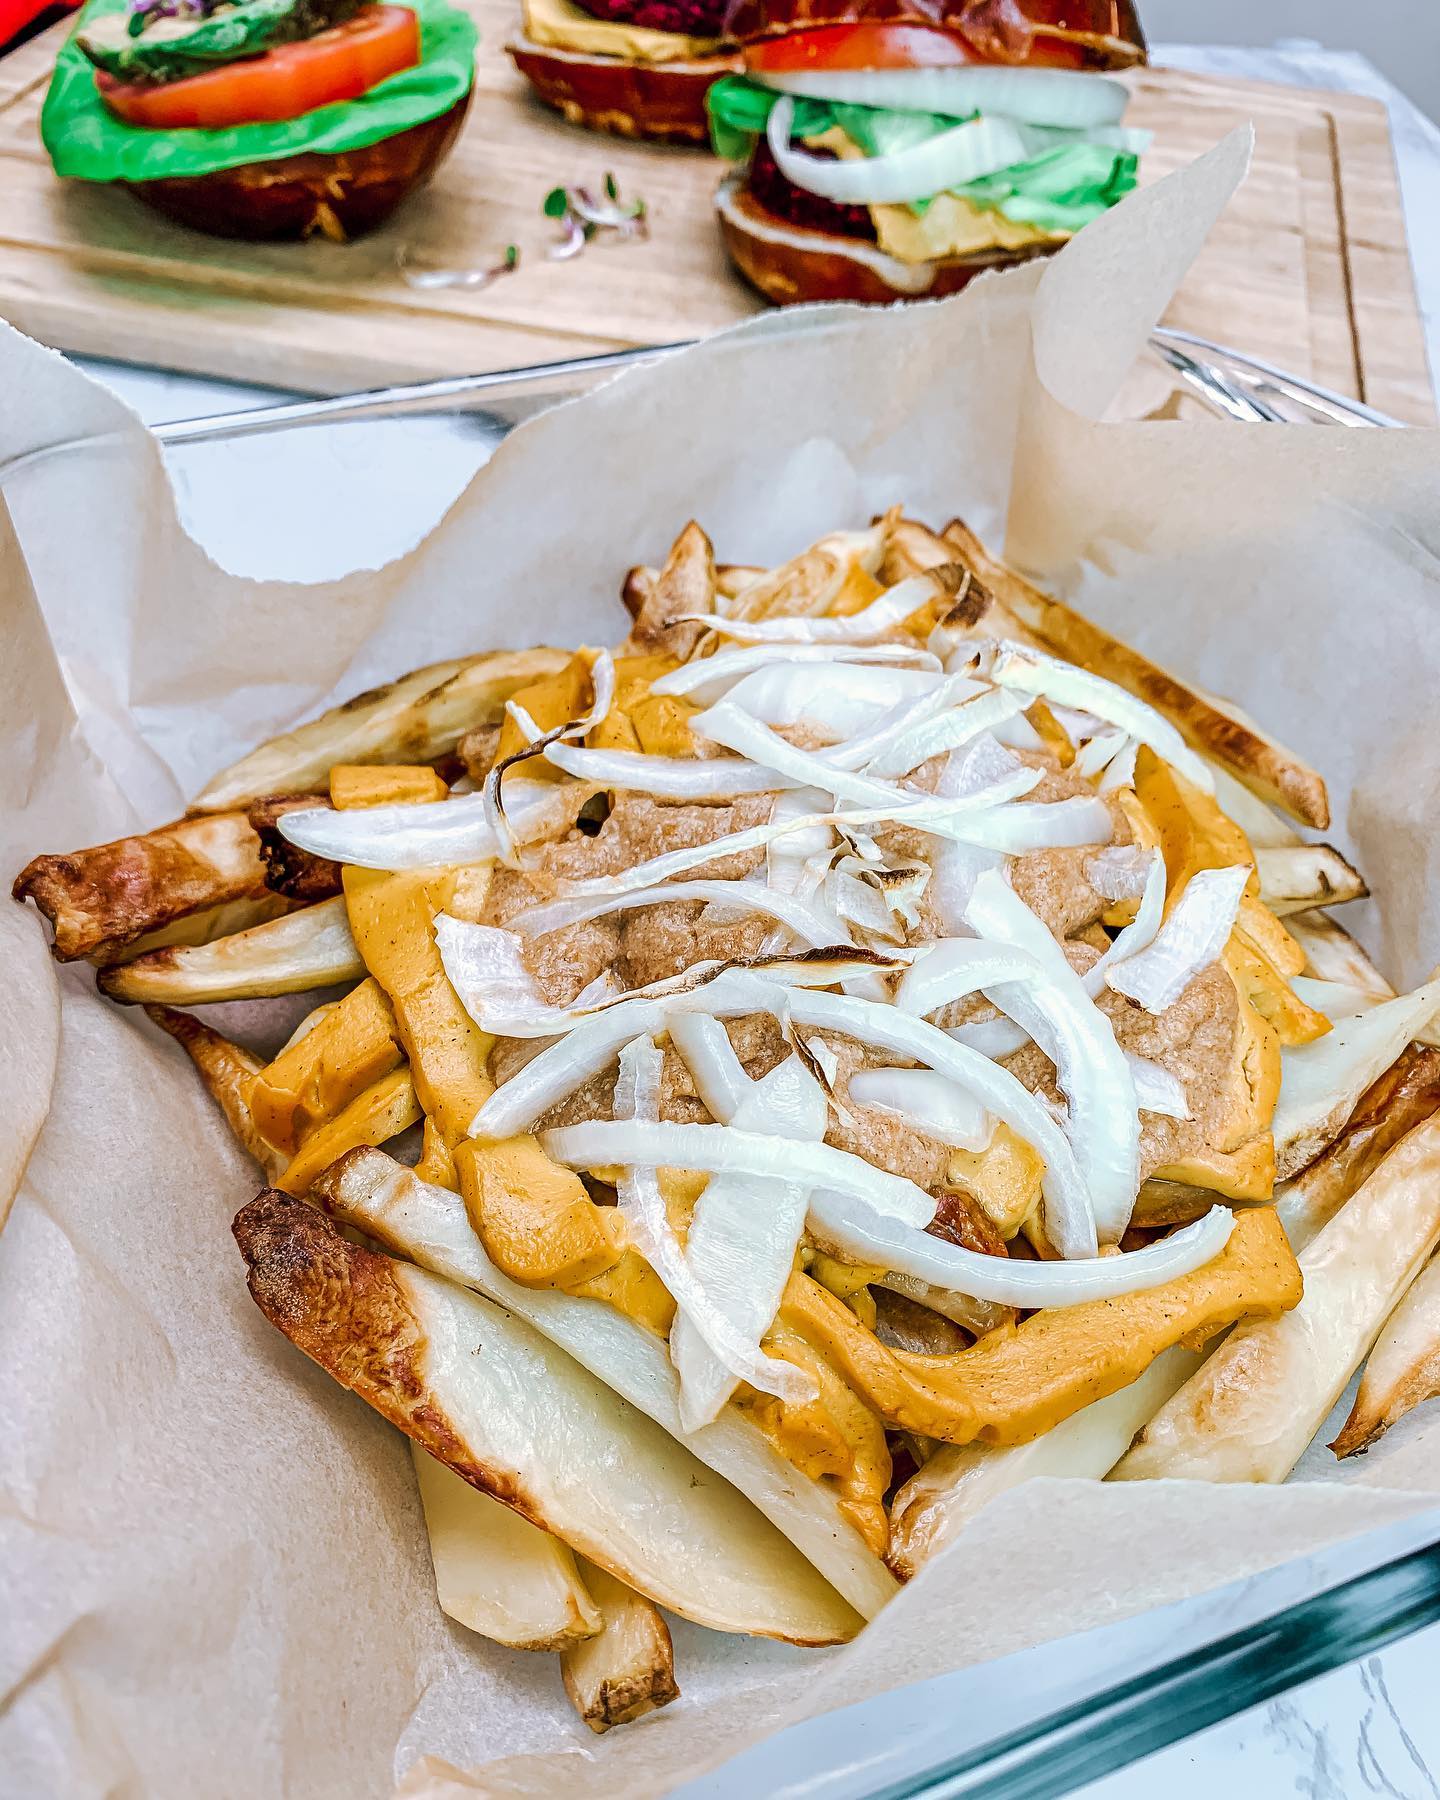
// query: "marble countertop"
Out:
[1371,1728]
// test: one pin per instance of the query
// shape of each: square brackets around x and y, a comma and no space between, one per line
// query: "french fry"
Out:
[373,1117]
[1249,1413]
[684,586]
[489,1396]
[312,1080]
[810,584]
[416,719]
[1297,877]
[306,949]
[100,900]
[1403,1369]
[390,1203]
[1407,1093]
[204,927]
[937,1503]
[1332,954]
[498,1574]
[227,1071]
[1323,1080]
[627,1668]
[1216,729]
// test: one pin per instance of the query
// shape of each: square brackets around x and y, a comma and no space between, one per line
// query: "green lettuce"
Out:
[87,142]
[1057,192]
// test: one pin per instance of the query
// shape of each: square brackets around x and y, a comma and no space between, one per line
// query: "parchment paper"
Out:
[216,1577]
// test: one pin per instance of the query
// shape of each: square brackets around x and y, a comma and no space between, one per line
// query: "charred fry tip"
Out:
[1352,1441]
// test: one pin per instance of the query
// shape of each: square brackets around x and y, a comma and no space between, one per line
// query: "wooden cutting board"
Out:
[1309,267]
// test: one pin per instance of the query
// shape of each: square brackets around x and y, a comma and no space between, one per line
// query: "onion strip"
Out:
[871,623]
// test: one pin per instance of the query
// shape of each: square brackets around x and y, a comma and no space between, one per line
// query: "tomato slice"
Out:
[339,64]
[888,46]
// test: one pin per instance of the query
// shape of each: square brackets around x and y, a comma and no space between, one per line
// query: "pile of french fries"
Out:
[501,1305]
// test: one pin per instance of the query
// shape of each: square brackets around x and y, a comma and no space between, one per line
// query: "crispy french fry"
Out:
[1217,729]
[684,586]
[100,900]
[1323,1080]
[312,1080]
[627,1668]
[205,927]
[1294,878]
[1249,1413]
[427,1224]
[810,584]
[1332,954]
[488,1395]
[498,1574]
[309,948]
[373,1117]
[1403,1369]
[937,1503]
[731,579]
[416,719]
[1407,1093]
[227,1070]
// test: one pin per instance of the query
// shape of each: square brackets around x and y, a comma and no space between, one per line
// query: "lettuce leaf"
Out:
[88,143]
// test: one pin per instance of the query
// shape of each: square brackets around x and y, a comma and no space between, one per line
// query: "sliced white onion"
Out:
[926,1102]
[741,1244]
[707,678]
[736,730]
[1095,757]
[1189,941]
[1119,872]
[718,1074]
[1104,1118]
[642,1205]
[812,924]
[1121,772]
[485,967]
[1040,825]
[669,777]
[1065,97]
[841,698]
[723,1150]
[786,858]
[602,684]
[950,159]
[903,717]
[857,1234]
[1156,1089]
[1032,672]
[1140,932]
[950,968]
[427,834]
[987,712]
[871,624]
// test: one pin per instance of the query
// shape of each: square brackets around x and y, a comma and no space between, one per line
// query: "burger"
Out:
[641,68]
[263,119]
[894,149]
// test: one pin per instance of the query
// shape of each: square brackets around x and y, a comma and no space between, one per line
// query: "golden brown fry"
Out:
[373,1117]
[813,582]
[1021,1380]
[1267,768]
[350,1048]
[627,1668]
[207,927]
[1406,1094]
[1332,954]
[1296,877]
[100,900]
[227,1070]
[416,719]
[498,1574]
[384,784]
[306,949]
[685,585]
[1403,1369]
[1252,1409]
[485,1393]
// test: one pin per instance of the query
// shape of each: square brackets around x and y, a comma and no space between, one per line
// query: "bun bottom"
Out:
[340,196]
[792,264]
[664,101]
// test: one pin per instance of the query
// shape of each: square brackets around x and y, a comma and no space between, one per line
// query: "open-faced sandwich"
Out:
[837,1055]
[641,68]
[894,149]
[262,118]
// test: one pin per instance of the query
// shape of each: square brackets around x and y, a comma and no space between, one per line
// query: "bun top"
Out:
[1105,33]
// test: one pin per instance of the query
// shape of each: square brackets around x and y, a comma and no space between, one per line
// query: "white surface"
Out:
[312,504]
